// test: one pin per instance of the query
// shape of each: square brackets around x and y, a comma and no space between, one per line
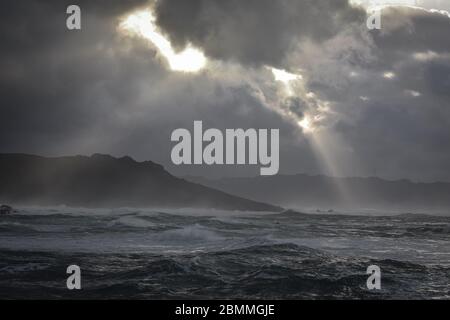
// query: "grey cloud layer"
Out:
[99,91]
[403,126]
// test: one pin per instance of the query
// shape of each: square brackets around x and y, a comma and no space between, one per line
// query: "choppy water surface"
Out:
[160,254]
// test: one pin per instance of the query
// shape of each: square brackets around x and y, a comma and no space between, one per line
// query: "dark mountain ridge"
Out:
[105,181]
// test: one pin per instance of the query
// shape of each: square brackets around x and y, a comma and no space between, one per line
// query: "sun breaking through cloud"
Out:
[142,23]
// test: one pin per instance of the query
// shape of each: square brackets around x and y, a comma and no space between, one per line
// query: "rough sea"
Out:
[191,254]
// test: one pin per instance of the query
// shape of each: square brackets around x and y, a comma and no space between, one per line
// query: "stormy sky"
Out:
[348,101]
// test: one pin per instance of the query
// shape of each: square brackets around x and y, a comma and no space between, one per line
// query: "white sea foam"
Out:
[190,233]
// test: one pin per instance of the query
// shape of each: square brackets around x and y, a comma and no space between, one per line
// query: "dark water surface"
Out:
[183,254]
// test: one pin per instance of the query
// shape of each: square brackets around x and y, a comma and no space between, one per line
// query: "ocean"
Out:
[207,254]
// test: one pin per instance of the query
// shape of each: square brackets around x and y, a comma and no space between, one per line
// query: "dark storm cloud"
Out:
[96,90]
[253,31]
[53,80]
[437,74]
[295,105]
